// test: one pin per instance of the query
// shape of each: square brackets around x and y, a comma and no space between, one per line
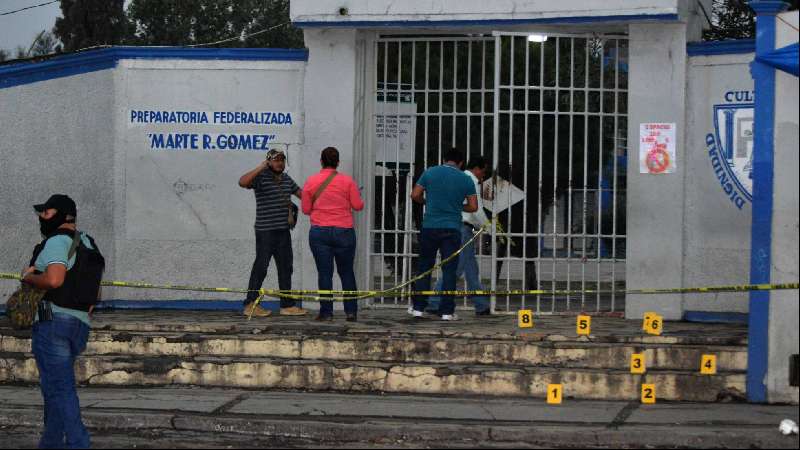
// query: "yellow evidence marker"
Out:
[525,318]
[708,365]
[648,316]
[648,394]
[584,325]
[638,363]
[656,325]
[554,394]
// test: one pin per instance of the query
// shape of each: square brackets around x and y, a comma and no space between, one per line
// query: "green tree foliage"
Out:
[734,19]
[188,22]
[3,55]
[87,23]
[45,43]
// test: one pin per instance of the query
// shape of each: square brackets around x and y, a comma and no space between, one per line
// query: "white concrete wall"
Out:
[56,136]
[783,336]
[717,240]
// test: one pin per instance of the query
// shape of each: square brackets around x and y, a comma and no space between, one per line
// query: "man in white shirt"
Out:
[477,169]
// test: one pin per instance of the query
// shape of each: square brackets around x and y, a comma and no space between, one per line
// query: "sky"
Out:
[21,28]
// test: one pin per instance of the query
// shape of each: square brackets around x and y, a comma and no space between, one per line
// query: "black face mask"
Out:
[49,227]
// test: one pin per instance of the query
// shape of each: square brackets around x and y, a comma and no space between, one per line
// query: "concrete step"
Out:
[365,376]
[405,349]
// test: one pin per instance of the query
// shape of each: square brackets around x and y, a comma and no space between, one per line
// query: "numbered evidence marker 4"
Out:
[655,325]
[638,363]
[554,394]
[708,365]
[525,318]
[584,325]
[648,394]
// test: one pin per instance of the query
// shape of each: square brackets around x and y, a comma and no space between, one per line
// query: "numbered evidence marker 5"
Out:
[708,365]
[584,325]
[554,394]
[648,393]
[638,363]
[656,325]
[525,318]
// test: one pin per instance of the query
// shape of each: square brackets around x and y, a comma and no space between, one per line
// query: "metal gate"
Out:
[549,112]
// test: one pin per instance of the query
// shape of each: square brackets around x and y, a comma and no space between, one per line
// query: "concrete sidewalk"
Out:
[207,417]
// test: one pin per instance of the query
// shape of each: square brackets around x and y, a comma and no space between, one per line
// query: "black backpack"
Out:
[81,286]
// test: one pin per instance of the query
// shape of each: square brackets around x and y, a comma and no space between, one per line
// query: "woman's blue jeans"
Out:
[56,343]
[329,245]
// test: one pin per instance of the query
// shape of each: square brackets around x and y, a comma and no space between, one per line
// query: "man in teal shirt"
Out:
[442,189]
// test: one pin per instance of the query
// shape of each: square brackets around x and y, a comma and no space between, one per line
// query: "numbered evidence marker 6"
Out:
[584,325]
[648,316]
[708,365]
[525,318]
[648,393]
[655,325]
[554,393]
[638,363]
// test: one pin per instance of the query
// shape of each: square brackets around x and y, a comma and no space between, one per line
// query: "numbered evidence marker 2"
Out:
[638,363]
[525,318]
[655,325]
[584,325]
[554,393]
[708,365]
[648,393]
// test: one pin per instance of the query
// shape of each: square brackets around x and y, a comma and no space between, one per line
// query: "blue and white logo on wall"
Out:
[730,146]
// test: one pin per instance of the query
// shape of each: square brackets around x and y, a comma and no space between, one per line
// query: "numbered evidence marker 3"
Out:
[554,394]
[638,363]
[656,325]
[708,365]
[525,318]
[584,325]
[648,394]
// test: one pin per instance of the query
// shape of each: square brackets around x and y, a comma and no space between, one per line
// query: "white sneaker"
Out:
[450,317]
[415,313]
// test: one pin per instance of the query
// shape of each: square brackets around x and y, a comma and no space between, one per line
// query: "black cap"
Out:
[61,202]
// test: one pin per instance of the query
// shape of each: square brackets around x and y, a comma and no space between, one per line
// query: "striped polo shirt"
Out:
[272,194]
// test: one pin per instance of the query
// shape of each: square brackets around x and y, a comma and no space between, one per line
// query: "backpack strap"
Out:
[322,187]
[76,240]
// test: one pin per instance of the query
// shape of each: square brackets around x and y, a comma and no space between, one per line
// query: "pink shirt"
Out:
[334,207]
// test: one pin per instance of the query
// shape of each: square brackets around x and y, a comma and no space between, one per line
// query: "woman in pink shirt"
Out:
[330,198]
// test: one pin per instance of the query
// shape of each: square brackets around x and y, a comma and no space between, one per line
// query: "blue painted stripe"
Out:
[733,47]
[763,175]
[107,58]
[485,22]
[715,317]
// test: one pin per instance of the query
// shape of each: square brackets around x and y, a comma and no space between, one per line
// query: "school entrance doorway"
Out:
[550,113]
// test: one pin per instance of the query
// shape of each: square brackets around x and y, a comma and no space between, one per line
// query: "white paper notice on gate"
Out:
[657,148]
[500,196]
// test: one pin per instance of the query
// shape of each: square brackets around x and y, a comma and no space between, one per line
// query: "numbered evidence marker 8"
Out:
[584,325]
[554,394]
[708,365]
[656,325]
[638,363]
[525,318]
[648,394]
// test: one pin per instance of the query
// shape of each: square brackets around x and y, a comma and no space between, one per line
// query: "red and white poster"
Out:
[657,148]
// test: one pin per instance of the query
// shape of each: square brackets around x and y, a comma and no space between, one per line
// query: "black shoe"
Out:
[321,318]
[352,318]
[485,312]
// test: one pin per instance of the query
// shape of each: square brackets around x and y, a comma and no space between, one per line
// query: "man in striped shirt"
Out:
[273,189]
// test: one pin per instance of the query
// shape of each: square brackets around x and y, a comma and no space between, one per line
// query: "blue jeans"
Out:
[329,244]
[467,266]
[433,240]
[56,343]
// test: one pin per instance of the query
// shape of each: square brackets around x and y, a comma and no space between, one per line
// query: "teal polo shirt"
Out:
[55,251]
[446,187]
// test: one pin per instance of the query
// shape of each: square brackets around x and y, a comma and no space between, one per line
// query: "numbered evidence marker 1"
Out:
[525,318]
[638,363]
[554,393]
[584,325]
[708,365]
[648,394]
[655,326]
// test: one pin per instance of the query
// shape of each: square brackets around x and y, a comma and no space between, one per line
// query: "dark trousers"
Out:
[272,244]
[329,245]
[446,241]
[56,343]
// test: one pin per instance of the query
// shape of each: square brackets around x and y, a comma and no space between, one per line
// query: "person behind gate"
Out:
[329,197]
[273,190]
[68,266]
[442,189]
